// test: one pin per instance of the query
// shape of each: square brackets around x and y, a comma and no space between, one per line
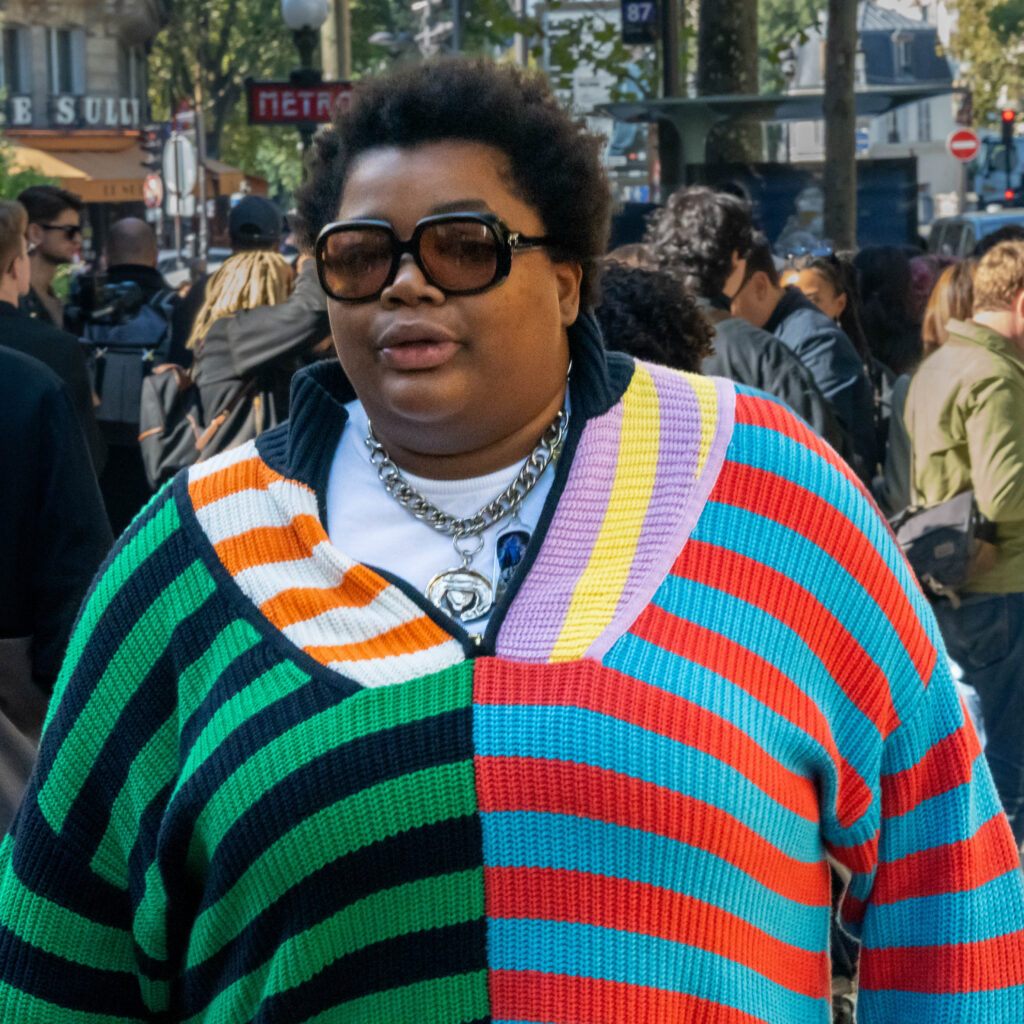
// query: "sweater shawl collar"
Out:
[645,446]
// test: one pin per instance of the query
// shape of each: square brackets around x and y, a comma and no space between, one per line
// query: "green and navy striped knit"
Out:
[276,785]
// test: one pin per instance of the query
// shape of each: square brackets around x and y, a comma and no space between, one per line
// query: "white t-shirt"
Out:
[365,522]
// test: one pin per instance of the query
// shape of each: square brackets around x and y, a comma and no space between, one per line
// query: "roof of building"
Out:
[872,18]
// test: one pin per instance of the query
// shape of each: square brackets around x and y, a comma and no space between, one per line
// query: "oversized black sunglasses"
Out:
[459,253]
[70,230]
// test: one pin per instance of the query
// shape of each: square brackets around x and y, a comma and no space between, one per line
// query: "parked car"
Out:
[957,236]
[167,264]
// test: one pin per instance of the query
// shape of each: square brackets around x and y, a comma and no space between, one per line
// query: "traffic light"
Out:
[1008,116]
[151,139]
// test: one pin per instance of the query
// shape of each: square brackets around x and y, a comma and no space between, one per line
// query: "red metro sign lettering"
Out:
[286,103]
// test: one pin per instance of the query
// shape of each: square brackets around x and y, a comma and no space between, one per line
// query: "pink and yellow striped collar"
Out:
[639,480]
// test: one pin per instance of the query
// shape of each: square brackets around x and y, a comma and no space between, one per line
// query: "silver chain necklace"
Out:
[461,591]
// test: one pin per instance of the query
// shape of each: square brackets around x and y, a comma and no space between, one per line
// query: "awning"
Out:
[104,176]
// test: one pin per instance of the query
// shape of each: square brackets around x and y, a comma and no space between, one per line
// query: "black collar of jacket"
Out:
[792,300]
[7,309]
[302,448]
[147,278]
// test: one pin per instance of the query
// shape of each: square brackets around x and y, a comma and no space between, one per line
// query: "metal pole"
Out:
[179,176]
[671,15]
[456,26]
[201,153]
[520,49]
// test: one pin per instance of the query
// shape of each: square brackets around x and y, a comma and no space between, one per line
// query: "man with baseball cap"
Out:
[254,223]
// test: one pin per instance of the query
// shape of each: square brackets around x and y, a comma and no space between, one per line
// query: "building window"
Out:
[66,51]
[904,55]
[924,121]
[16,67]
[132,62]
[892,126]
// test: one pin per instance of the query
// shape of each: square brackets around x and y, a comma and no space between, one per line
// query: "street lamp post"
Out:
[304,18]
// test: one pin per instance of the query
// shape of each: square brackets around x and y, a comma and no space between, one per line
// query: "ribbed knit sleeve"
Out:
[907,801]
[938,896]
[82,913]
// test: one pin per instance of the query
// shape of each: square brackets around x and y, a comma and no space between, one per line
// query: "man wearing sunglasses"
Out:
[36,336]
[55,231]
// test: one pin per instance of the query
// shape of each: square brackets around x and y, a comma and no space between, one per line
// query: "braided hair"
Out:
[249,279]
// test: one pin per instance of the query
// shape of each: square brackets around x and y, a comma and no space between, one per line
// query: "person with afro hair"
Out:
[510,679]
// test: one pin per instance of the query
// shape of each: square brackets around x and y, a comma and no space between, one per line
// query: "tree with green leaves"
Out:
[990,43]
[782,25]
[216,45]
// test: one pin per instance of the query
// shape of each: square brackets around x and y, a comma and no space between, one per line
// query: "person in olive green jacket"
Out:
[965,417]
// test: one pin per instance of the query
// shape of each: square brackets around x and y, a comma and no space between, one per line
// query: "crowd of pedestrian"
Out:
[521,636]
[921,372]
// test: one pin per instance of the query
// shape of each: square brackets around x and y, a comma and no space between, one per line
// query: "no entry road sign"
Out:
[963,144]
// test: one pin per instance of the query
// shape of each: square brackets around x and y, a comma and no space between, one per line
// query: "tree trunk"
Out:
[727,64]
[839,109]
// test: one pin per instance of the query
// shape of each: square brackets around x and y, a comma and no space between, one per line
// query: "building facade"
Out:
[894,49]
[75,81]
[78,64]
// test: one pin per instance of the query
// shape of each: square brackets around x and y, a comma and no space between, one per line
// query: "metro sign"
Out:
[963,144]
[289,103]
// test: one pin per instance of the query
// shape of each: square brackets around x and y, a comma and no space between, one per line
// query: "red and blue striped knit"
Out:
[275,785]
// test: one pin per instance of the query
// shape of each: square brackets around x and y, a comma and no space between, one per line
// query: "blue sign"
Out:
[863,140]
[639,22]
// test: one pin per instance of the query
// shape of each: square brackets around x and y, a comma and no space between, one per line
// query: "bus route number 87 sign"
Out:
[639,22]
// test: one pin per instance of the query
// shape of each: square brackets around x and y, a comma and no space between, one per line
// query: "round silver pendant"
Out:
[462,593]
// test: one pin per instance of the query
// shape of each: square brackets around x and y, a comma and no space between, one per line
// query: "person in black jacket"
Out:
[54,538]
[130,253]
[698,236]
[55,234]
[759,298]
[36,337]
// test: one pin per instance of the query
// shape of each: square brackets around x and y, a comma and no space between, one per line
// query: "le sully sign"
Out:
[76,112]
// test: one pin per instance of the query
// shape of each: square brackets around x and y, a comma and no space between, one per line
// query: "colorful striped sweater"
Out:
[276,786]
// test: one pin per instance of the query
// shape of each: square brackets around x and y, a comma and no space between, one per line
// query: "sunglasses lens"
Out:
[460,255]
[356,262]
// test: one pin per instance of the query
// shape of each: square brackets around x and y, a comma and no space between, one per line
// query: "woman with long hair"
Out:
[830,282]
[952,298]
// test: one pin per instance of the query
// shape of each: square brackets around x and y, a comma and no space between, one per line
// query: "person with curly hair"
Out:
[700,236]
[511,679]
[648,314]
